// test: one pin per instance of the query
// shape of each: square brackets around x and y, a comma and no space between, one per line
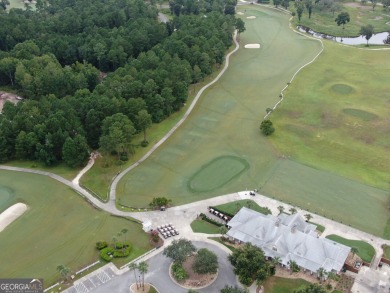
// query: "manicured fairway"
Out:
[226,121]
[335,118]
[58,228]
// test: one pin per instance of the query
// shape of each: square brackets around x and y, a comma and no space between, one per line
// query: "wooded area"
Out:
[94,73]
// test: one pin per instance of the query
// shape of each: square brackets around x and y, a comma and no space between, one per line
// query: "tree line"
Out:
[55,57]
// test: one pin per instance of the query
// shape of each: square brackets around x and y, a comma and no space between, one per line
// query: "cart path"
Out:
[91,162]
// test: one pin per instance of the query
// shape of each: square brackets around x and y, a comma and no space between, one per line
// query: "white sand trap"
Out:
[252,46]
[240,13]
[251,17]
[11,214]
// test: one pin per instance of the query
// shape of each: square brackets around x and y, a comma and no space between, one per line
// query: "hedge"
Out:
[211,221]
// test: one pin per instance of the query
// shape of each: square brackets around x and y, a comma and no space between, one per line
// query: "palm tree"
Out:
[223,230]
[124,232]
[114,240]
[133,266]
[308,217]
[281,209]
[293,266]
[276,260]
[293,210]
[321,273]
[332,276]
[143,269]
[64,271]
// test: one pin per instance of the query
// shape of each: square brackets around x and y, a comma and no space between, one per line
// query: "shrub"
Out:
[107,253]
[144,143]
[266,127]
[101,244]
[178,272]
[124,157]
[211,221]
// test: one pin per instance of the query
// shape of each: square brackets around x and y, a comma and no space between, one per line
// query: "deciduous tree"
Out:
[367,31]
[206,262]
[179,250]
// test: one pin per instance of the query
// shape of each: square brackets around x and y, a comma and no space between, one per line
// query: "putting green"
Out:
[58,228]
[343,89]
[217,173]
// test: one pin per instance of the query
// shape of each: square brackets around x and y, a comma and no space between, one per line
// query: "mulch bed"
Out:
[195,280]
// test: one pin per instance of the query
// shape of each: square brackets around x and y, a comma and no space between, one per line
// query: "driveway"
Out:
[159,277]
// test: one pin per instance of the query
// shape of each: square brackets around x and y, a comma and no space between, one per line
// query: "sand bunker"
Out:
[11,214]
[251,17]
[240,13]
[252,46]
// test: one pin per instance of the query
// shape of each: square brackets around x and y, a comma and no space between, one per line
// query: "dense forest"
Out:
[94,73]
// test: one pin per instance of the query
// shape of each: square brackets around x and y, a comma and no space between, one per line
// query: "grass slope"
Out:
[365,250]
[58,228]
[234,206]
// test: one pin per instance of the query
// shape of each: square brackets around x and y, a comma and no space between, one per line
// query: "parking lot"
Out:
[92,281]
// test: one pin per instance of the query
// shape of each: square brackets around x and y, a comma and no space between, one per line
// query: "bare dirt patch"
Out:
[194,279]
[4,97]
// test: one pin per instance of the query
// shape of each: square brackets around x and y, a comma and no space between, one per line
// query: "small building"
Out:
[290,238]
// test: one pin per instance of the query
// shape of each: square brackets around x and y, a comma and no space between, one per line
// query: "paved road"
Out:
[104,280]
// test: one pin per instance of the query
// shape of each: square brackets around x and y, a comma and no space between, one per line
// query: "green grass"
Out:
[320,228]
[234,206]
[386,251]
[218,239]
[365,250]
[225,122]
[351,128]
[227,168]
[58,228]
[60,169]
[200,226]
[360,15]
[282,285]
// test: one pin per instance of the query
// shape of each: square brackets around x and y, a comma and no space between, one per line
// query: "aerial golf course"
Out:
[329,154]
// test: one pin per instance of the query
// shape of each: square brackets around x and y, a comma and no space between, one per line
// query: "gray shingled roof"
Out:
[290,238]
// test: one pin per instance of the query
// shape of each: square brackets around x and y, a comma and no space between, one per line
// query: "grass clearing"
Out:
[365,250]
[234,206]
[200,226]
[33,246]
[360,14]
[282,285]
[320,228]
[319,116]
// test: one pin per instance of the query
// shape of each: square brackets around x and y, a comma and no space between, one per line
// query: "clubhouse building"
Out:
[290,238]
